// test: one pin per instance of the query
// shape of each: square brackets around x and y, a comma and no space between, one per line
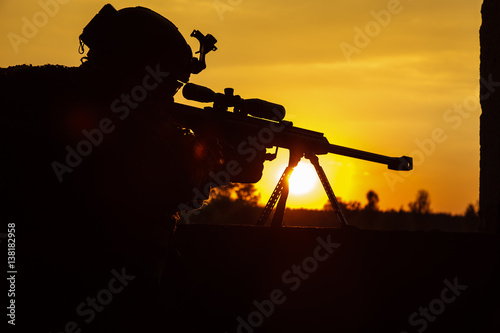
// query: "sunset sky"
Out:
[390,77]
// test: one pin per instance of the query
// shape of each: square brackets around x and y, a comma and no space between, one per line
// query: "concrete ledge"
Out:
[374,281]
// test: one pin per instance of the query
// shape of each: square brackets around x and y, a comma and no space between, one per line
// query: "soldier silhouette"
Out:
[95,172]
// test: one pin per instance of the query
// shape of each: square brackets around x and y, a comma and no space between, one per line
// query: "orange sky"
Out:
[391,77]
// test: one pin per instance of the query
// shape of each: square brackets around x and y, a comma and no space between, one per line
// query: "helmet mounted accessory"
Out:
[207,44]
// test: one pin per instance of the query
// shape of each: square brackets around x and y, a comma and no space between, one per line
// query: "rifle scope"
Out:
[254,106]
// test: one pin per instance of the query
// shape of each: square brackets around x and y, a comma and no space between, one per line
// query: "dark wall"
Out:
[489,195]
[372,281]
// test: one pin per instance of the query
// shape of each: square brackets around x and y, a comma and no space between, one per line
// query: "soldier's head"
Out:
[128,40]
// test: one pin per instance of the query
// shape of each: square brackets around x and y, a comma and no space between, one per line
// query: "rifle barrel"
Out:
[403,163]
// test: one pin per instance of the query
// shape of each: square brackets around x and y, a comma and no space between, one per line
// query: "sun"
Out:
[303,179]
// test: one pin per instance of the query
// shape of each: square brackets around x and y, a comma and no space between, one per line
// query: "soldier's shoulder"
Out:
[28,93]
[25,84]
[25,69]
[25,73]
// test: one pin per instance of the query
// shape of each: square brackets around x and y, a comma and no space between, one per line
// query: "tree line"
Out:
[239,204]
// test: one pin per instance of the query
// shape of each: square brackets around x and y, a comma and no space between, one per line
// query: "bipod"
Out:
[282,188]
[328,189]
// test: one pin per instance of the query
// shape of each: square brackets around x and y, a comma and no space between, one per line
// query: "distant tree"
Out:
[472,213]
[246,193]
[328,207]
[422,204]
[373,200]
[354,205]
[351,205]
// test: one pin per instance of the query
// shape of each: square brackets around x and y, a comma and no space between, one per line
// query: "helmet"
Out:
[132,38]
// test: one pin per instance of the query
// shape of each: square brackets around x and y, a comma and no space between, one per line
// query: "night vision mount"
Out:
[207,44]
